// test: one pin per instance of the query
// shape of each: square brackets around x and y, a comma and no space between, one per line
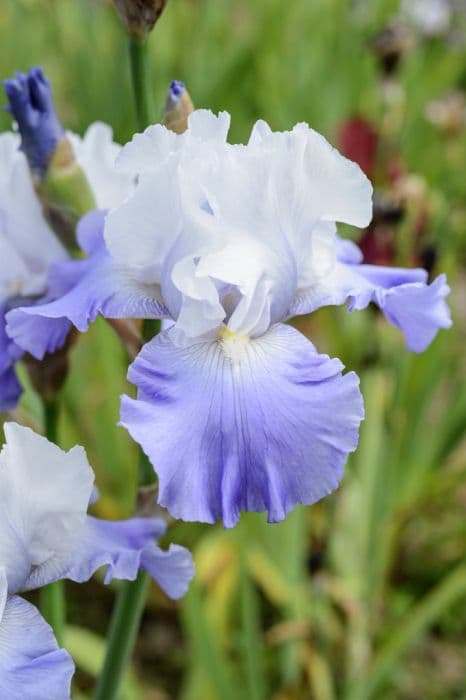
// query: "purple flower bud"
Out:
[31,104]
[178,107]
[177,88]
[174,95]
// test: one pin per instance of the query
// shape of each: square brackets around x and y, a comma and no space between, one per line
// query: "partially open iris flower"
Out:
[237,410]
[46,535]
[28,249]
[28,246]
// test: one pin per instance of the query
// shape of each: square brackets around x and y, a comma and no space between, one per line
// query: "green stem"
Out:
[53,608]
[131,600]
[123,632]
[52,597]
[141,81]
[250,637]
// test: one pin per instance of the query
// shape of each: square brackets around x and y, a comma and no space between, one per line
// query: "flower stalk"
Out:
[131,599]
[140,78]
[122,636]
[52,597]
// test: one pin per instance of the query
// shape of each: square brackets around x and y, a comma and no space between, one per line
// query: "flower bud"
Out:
[178,107]
[139,16]
[31,104]
[60,181]
[65,192]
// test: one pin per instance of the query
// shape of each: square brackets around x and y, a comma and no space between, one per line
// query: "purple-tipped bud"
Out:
[178,107]
[177,87]
[31,104]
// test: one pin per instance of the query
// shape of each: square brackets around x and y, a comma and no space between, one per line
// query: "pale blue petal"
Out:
[117,545]
[35,334]
[173,568]
[10,388]
[261,427]
[32,667]
[104,288]
[124,548]
[89,231]
[81,290]
[417,308]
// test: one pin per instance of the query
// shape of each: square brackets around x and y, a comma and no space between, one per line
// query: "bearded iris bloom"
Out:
[46,535]
[235,409]
[29,247]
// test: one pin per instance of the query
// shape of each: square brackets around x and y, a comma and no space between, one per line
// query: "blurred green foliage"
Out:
[361,597]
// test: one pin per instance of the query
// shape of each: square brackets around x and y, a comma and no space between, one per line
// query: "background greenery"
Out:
[362,596]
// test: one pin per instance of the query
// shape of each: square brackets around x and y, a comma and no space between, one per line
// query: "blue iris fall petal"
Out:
[239,424]
[31,664]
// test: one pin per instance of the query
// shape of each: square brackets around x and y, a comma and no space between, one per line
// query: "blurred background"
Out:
[363,596]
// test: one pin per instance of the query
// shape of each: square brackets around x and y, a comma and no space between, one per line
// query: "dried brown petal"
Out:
[48,375]
[139,16]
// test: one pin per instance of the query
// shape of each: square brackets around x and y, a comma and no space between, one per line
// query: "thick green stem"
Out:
[141,81]
[53,608]
[123,632]
[250,634]
[52,597]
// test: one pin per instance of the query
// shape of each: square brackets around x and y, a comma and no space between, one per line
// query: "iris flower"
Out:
[28,246]
[236,409]
[46,535]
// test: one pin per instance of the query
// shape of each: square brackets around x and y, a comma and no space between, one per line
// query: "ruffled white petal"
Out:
[28,246]
[232,232]
[153,215]
[151,150]
[96,152]
[44,495]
